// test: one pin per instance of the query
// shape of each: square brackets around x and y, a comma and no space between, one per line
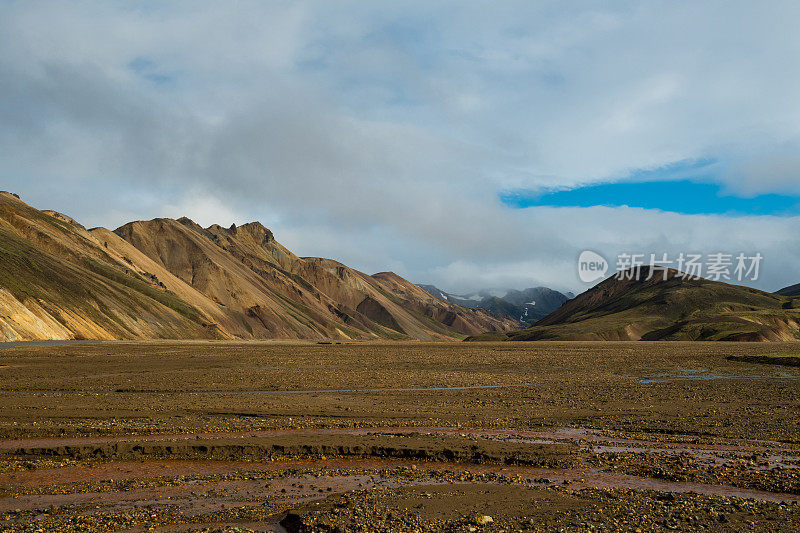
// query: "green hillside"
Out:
[671,309]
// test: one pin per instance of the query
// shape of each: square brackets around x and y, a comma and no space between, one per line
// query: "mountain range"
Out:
[528,305]
[166,278]
[675,308]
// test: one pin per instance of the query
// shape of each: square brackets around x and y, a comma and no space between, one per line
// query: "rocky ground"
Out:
[398,437]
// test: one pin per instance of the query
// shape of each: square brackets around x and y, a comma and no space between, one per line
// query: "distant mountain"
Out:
[527,306]
[671,309]
[174,279]
[792,290]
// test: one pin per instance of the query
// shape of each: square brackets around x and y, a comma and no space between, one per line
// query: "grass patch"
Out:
[163,297]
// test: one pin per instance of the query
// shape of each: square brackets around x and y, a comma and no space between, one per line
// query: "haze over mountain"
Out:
[668,309]
[168,278]
[528,305]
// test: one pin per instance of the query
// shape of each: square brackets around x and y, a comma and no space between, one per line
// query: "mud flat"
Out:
[207,436]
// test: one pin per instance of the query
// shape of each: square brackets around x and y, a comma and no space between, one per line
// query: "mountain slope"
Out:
[671,309]
[527,306]
[169,278]
[792,290]
[276,293]
[58,282]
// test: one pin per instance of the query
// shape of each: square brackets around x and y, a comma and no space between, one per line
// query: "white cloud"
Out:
[380,134]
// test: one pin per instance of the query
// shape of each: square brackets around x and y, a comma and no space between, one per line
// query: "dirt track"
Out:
[174,436]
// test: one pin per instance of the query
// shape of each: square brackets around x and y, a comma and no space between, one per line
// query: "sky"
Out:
[463,144]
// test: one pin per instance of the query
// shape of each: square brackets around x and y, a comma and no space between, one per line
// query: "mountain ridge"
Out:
[167,278]
[527,305]
[791,290]
[645,307]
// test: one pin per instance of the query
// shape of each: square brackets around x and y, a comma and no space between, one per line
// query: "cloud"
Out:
[381,134]
[774,167]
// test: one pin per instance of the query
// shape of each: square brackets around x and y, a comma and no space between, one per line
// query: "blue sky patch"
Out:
[679,196]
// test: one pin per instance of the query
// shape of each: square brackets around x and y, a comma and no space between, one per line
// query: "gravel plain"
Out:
[212,436]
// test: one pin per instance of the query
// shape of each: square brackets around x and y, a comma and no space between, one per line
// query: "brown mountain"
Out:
[167,278]
[792,290]
[667,309]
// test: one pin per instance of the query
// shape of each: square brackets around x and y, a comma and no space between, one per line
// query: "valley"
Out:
[407,267]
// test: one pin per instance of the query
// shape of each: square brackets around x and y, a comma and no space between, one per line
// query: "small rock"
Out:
[485,519]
